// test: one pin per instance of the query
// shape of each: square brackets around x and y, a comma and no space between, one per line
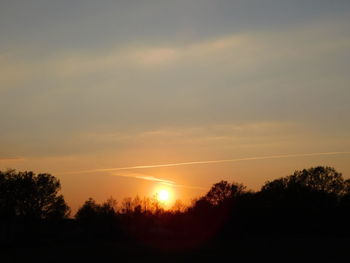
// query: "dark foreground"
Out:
[255,248]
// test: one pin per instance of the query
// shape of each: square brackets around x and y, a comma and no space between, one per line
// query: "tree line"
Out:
[314,201]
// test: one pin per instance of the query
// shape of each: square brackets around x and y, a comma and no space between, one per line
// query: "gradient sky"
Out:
[86,86]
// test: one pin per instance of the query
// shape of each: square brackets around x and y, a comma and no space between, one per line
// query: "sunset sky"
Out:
[92,90]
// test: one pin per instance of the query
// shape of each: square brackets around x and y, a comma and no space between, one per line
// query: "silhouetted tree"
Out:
[91,210]
[307,201]
[313,188]
[88,211]
[223,191]
[27,195]
[315,179]
[126,206]
[346,197]
[179,207]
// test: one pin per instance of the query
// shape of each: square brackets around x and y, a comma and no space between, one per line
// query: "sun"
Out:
[163,195]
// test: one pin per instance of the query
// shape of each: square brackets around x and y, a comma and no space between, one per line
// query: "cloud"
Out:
[154,57]
[137,167]
[147,178]
[5,159]
[297,75]
[158,180]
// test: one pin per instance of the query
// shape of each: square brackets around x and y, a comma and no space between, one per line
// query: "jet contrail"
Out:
[147,178]
[11,158]
[207,162]
[159,180]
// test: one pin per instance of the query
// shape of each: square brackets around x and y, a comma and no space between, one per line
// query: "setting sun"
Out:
[163,195]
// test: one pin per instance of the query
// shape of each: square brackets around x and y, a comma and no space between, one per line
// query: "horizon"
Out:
[164,193]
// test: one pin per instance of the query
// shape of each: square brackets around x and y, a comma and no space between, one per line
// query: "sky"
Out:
[244,91]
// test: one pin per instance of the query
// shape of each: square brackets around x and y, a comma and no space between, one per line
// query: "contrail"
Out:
[208,162]
[11,158]
[147,178]
[159,180]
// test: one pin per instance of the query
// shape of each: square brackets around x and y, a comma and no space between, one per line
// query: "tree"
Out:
[179,207]
[27,195]
[224,191]
[126,206]
[110,207]
[315,192]
[91,210]
[316,179]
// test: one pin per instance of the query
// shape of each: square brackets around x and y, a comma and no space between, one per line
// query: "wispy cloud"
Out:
[5,159]
[147,178]
[158,180]
[208,162]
